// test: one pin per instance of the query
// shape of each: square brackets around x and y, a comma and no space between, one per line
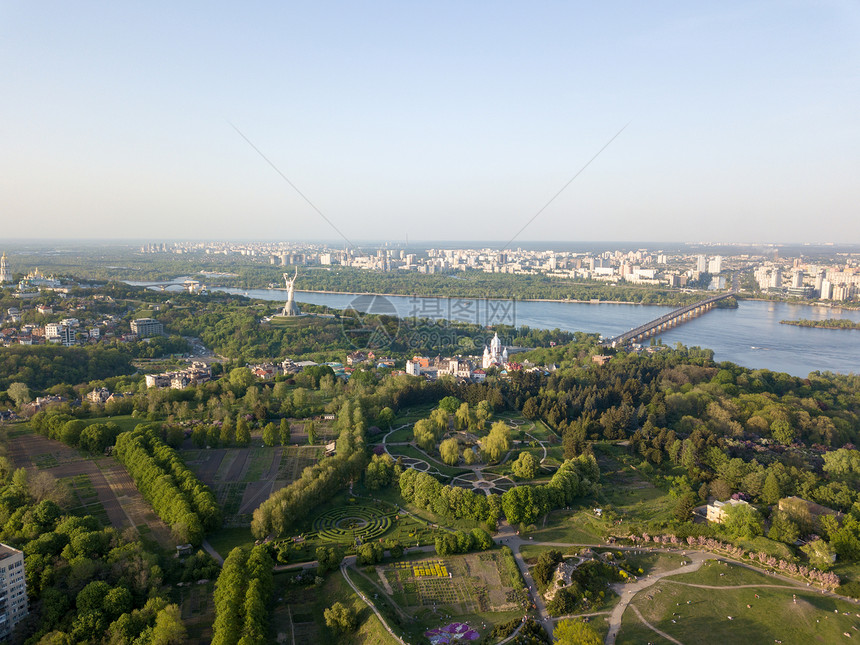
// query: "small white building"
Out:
[716,511]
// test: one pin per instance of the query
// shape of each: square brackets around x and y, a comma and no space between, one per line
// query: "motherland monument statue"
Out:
[291,308]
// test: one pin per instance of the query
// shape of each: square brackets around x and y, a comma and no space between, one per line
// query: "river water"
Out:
[750,335]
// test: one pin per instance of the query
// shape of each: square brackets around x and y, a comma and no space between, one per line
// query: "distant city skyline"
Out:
[442,122]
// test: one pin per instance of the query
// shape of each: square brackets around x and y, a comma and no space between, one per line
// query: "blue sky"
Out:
[443,120]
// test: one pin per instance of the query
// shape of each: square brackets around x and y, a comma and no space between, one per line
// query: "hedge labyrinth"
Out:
[351,524]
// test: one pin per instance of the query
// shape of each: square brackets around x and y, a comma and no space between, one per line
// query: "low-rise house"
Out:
[263,370]
[99,395]
[179,381]
[157,380]
[716,511]
[356,358]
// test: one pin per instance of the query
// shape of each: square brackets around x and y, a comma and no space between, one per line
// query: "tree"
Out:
[531,409]
[285,432]
[782,432]
[742,520]
[821,555]
[576,632]
[469,456]
[310,428]
[19,393]
[243,432]
[498,442]
[379,472]
[783,528]
[721,489]
[464,418]
[328,559]
[545,566]
[385,418]
[481,539]
[168,629]
[270,434]
[228,433]
[525,467]
[450,451]
[483,413]
[684,507]
[370,553]
[449,404]
[771,492]
[340,618]
[240,380]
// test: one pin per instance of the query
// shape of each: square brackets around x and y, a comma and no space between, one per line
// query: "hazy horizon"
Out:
[444,122]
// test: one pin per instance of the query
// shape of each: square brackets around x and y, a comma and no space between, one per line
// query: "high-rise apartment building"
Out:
[701,264]
[13,590]
[146,327]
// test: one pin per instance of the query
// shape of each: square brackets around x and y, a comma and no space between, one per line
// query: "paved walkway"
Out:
[371,605]
[211,551]
[652,628]
[627,591]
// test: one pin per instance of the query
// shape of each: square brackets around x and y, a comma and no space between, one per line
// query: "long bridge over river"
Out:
[667,321]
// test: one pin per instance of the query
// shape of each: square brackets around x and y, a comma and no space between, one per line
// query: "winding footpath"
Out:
[628,591]
[371,605]
[652,628]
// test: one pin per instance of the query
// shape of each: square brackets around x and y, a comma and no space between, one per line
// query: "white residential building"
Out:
[13,590]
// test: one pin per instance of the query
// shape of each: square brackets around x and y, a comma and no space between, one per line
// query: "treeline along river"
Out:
[750,335]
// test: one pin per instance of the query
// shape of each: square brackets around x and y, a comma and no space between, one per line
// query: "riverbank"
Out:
[593,301]
[804,303]
[827,323]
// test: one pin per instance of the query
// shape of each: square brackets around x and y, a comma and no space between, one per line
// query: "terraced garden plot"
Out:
[463,584]
[242,478]
[294,459]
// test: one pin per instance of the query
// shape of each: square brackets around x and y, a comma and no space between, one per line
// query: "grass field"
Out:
[125,422]
[701,615]
[298,614]
[225,540]
[576,526]
[411,451]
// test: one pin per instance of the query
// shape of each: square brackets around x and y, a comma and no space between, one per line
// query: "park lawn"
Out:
[847,571]
[125,422]
[225,540]
[652,562]
[554,456]
[413,414]
[411,451]
[574,526]
[305,606]
[716,573]
[772,616]
[771,547]
[634,632]
[392,495]
[531,552]
[399,435]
